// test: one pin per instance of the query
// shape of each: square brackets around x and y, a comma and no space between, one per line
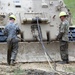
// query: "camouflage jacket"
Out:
[64,28]
[11,30]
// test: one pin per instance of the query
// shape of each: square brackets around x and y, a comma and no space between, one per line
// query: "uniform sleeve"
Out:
[18,30]
[62,30]
[5,31]
[63,27]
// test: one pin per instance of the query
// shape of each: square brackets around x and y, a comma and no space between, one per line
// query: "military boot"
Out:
[12,63]
[63,62]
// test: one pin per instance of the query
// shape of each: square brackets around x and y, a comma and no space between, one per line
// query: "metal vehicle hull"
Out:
[33,52]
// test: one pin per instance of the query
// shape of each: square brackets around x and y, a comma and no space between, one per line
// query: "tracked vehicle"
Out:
[39,22]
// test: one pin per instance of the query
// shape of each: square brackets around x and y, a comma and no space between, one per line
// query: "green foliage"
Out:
[69,69]
[71,5]
[18,71]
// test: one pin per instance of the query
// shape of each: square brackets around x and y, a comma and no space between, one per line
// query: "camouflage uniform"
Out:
[63,37]
[11,31]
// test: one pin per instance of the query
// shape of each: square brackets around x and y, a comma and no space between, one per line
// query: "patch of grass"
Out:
[71,5]
[19,71]
[69,69]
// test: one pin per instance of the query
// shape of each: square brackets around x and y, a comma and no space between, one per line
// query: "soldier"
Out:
[11,30]
[63,37]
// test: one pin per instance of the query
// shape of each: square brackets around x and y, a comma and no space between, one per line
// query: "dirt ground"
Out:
[36,69]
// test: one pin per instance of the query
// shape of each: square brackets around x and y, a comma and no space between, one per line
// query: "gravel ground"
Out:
[36,69]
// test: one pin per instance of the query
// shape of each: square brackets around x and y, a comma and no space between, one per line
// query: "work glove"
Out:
[59,36]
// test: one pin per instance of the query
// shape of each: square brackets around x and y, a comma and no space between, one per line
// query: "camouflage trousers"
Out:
[12,50]
[64,50]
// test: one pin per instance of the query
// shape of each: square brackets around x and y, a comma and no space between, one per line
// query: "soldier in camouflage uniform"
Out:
[63,37]
[11,30]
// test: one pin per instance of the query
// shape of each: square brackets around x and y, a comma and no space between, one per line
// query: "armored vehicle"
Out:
[39,22]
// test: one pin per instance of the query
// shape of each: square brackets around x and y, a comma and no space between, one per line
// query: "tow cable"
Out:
[48,57]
